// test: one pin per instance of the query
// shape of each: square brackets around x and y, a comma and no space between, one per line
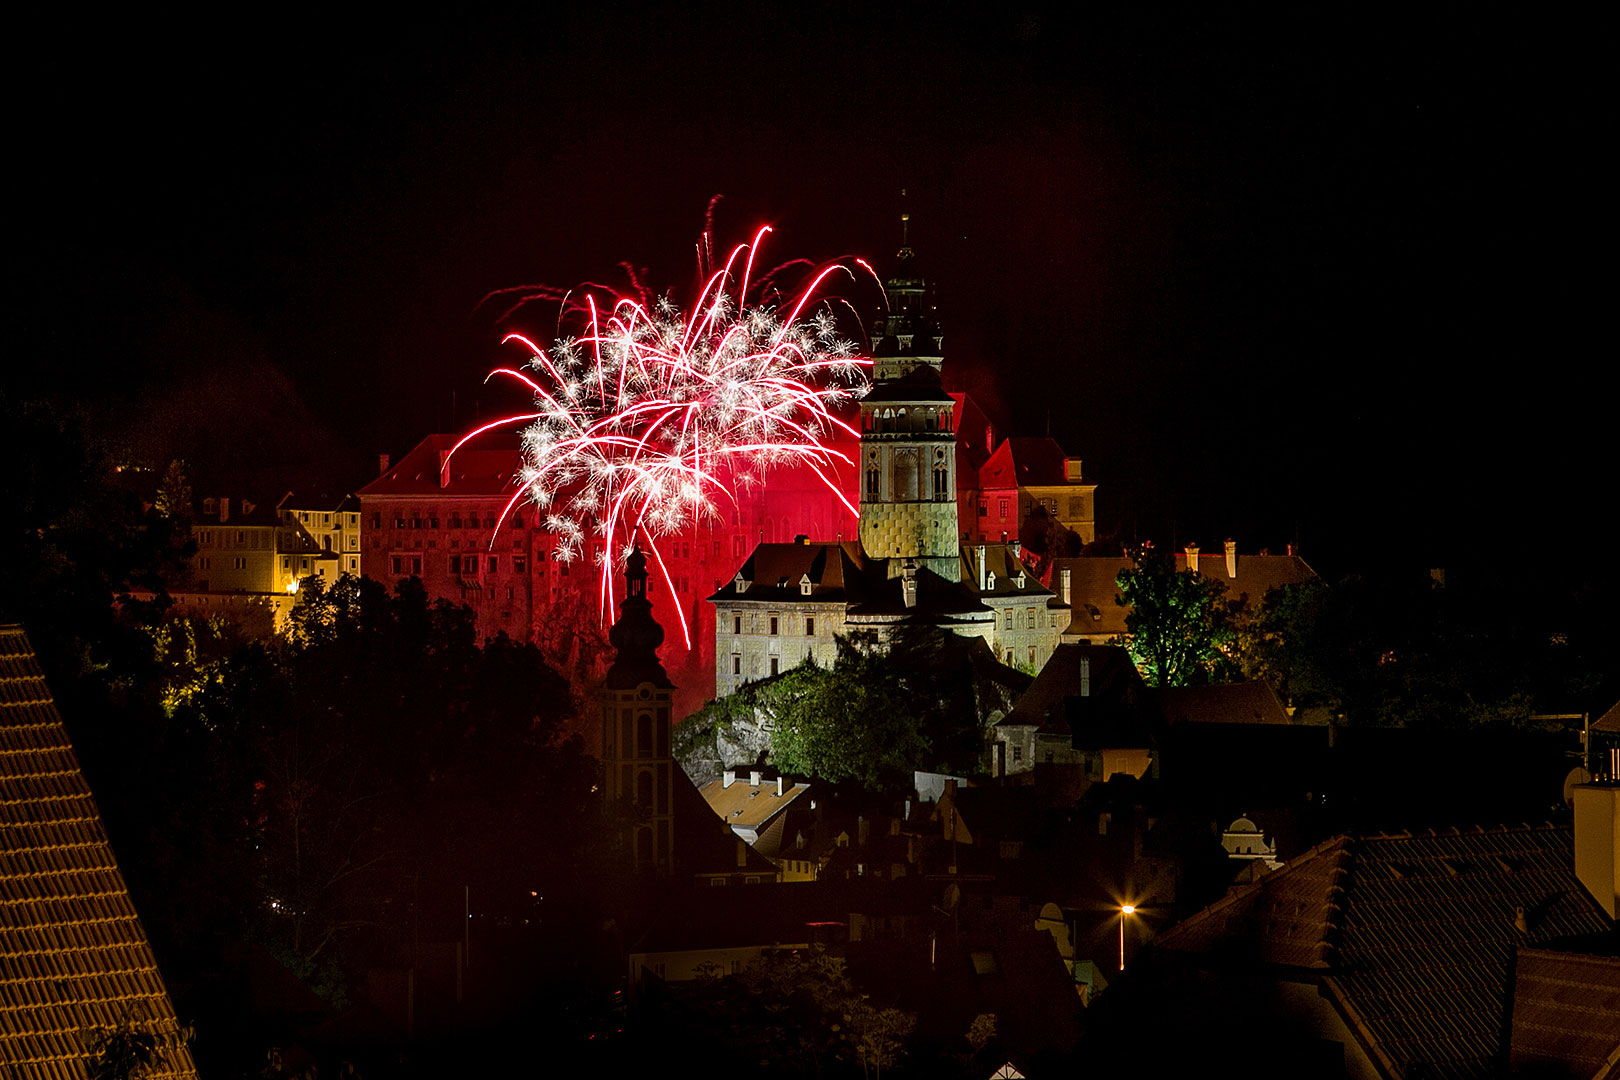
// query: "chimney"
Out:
[1291,551]
[1017,547]
[1071,470]
[382,464]
[1231,558]
[979,555]
[1192,556]
[753,778]
[728,778]
[908,584]
[1064,576]
[778,786]
[224,511]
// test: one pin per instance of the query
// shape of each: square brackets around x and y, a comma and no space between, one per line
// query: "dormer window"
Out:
[1020,581]
[805,585]
[740,583]
[990,580]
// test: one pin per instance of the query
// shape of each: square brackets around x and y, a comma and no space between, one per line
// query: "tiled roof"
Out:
[73,956]
[1000,560]
[487,466]
[1024,462]
[1114,684]
[749,805]
[774,573]
[1228,703]
[1566,1013]
[1609,721]
[1415,934]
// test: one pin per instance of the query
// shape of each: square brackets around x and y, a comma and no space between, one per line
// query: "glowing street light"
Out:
[1125,909]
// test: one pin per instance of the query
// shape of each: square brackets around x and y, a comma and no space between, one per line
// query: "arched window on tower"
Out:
[942,476]
[644,735]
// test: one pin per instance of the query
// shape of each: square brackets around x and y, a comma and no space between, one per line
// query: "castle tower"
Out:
[638,765]
[908,442]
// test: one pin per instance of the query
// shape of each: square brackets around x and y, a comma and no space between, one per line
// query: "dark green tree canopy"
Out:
[1178,625]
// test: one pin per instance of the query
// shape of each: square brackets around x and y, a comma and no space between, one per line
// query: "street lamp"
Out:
[1125,909]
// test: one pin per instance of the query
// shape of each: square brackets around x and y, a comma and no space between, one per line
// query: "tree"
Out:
[1177,624]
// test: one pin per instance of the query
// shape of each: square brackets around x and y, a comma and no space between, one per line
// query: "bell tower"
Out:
[637,764]
[908,441]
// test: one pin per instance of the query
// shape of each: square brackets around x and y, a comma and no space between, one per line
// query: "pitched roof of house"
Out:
[1093,592]
[1609,721]
[486,466]
[776,572]
[1414,934]
[1023,461]
[1227,703]
[75,957]
[1566,1014]
[1112,680]
[749,805]
[1001,561]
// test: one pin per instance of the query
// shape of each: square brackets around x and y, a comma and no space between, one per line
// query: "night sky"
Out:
[1319,275]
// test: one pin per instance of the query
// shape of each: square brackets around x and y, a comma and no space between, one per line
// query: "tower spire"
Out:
[638,767]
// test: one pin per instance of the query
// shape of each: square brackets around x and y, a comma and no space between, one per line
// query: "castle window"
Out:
[774,622]
[872,482]
[1003,508]
[736,624]
[774,664]
[519,564]
[810,626]
[736,663]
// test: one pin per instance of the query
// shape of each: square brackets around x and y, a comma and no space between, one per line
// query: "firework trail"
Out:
[648,419]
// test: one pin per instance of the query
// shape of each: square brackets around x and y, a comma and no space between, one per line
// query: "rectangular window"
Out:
[736,624]
[1009,618]
[737,543]
[1002,504]
[774,663]
[1018,754]
[984,510]
[736,663]
[286,563]
[494,564]
[399,565]
[455,564]
[519,564]
[810,626]
[416,565]
[773,625]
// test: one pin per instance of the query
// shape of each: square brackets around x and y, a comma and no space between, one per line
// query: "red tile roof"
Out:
[73,956]
[1414,933]
[1024,462]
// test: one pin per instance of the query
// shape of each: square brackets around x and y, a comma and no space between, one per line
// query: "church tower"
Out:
[908,441]
[638,765]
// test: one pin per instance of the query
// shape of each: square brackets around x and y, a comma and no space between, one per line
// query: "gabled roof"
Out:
[1092,593]
[775,573]
[1228,703]
[748,805]
[1414,934]
[1256,574]
[1609,721]
[75,958]
[1024,461]
[1000,560]
[487,466]
[1114,687]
